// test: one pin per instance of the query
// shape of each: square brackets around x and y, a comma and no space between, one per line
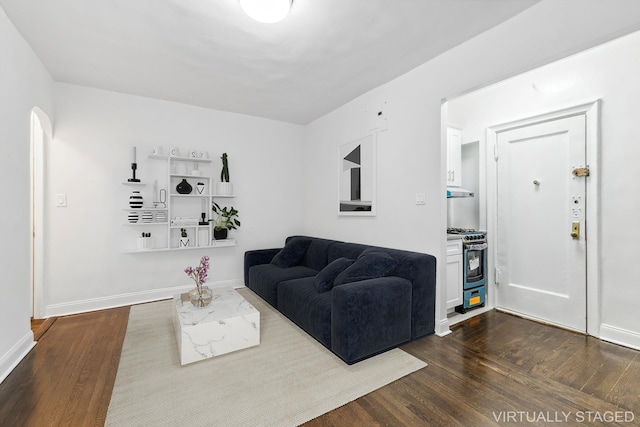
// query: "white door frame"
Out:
[592,222]
[37,209]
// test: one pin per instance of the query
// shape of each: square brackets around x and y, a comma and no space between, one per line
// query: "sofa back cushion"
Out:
[346,250]
[317,254]
[292,253]
[369,265]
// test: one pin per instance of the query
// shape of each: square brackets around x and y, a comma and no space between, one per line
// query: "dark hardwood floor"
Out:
[40,326]
[495,369]
[68,376]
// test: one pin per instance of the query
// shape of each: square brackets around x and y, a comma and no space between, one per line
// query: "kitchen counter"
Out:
[454,236]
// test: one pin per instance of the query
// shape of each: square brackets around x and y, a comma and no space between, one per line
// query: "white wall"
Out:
[608,73]
[410,154]
[89,159]
[401,153]
[24,84]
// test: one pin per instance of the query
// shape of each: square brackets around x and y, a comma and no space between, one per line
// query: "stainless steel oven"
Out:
[474,270]
[475,264]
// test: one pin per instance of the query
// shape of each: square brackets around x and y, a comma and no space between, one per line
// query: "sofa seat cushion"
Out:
[310,310]
[292,253]
[325,278]
[369,265]
[264,279]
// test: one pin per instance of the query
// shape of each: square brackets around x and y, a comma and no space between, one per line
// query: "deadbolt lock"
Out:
[580,172]
[575,229]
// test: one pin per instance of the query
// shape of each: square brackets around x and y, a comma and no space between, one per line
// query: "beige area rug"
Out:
[287,380]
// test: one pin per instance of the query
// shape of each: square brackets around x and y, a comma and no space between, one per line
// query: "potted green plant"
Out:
[184,239]
[226,219]
[224,187]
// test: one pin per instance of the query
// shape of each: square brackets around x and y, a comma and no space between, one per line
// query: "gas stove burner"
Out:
[474,238]
[463,231]
[469,235]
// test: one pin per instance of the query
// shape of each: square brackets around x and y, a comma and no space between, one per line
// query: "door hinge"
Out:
[496,275]
[495,152]
[581,171]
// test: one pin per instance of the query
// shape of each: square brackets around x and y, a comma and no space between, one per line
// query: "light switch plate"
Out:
[420,199]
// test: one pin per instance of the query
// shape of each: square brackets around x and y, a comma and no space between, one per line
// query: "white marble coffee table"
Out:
[228,324]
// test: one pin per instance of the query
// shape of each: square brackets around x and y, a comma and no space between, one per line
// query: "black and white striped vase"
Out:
[135,200]
[161,216]
[147,216]
[133,217]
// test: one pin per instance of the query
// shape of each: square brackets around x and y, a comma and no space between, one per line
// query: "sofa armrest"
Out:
[370,316]
[257,257]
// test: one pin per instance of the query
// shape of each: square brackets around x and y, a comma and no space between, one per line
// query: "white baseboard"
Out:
[94,304]
[442,328]
[620,336]
[11,359]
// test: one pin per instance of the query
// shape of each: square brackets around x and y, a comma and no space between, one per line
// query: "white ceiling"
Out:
[208,53]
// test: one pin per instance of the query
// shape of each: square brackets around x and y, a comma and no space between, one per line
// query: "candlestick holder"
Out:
[134,166]
[204,221]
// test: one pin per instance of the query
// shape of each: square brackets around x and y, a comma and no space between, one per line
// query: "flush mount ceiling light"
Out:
[268,11]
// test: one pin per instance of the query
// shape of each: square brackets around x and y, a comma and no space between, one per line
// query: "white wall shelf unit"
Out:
[145,224]
[144,209]
[226,243]
[182,211]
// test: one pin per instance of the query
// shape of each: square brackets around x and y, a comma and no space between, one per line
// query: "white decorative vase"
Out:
[203,236]
[184,242]
[199,189]
[145,243]
[224,189]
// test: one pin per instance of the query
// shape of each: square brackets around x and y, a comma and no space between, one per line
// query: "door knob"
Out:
[575,229]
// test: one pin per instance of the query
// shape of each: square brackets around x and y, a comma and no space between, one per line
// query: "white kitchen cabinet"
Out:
[454,273]
[454,157]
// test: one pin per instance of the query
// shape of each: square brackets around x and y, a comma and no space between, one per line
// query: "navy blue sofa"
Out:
[356,300]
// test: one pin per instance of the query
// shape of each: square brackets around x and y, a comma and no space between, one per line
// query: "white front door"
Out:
[541,231]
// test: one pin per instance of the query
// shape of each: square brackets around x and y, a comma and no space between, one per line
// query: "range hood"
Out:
[453,192]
